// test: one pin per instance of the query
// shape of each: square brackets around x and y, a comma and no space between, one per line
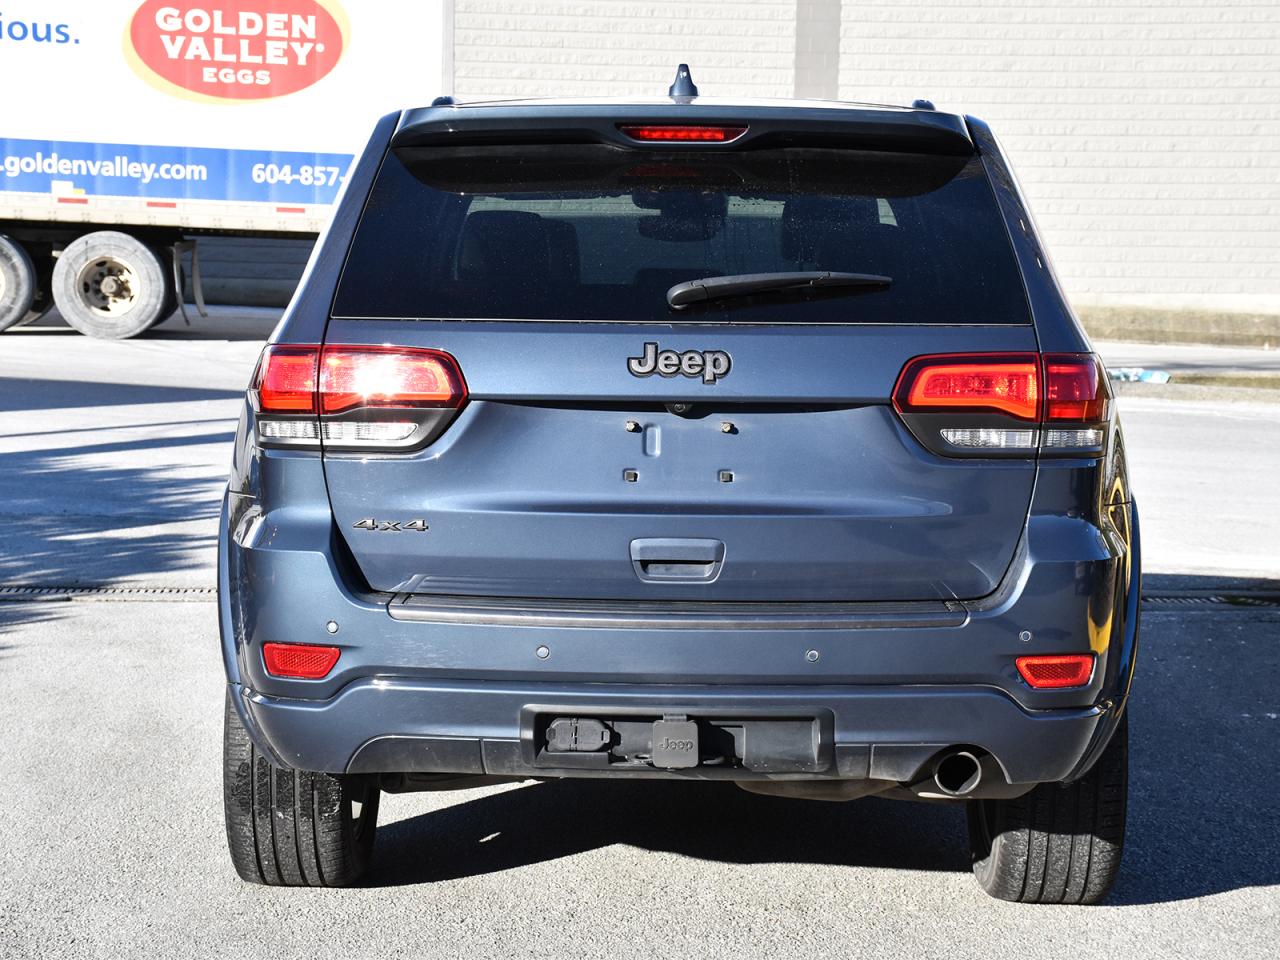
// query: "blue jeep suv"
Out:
[681,438]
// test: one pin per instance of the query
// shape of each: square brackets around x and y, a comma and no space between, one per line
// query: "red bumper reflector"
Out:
[301,661]
[683,133]
[1050,672]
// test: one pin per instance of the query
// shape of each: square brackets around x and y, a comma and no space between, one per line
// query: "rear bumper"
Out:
[440,689]
[880,733]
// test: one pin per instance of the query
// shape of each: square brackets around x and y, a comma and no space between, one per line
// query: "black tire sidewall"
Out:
[19,283]
[170,306]
[154,279]
[1012,842]
[290,827]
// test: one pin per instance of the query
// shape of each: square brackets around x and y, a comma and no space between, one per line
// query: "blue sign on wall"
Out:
[190,173]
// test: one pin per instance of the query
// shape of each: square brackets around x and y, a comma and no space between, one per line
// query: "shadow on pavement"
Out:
[1204,733]
[17,614]
[120,499]
[69,521]
[711,821]
[223,323]
[19,393]
[1202,817]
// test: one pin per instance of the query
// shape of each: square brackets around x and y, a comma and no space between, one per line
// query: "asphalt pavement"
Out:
[113,458]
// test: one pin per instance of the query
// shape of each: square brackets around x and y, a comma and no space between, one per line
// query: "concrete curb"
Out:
[1194,392]
[1145,325]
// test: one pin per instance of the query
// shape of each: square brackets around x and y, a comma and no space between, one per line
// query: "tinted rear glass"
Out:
[600,233]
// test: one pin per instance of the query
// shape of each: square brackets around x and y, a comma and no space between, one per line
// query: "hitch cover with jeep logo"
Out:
[675,744]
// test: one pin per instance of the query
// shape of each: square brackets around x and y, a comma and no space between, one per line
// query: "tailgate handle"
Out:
[664,559]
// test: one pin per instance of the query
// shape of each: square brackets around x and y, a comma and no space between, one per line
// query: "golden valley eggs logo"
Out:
[235,49]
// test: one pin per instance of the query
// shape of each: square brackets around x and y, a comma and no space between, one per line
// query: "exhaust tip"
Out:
[958,773]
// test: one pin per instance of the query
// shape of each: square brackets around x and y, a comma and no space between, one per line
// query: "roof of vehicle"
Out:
[769,122]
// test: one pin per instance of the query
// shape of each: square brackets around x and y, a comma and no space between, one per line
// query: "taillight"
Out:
[1056,671]
[388,377]
[682,133]
[1072,388]
[299,661]
[1003,383]
[1005,404]
[286,380]
[355,397]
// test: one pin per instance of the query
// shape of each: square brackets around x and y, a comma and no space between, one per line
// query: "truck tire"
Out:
[170,305]
[1060,843]
[110,285]
[293,828]
[17,283]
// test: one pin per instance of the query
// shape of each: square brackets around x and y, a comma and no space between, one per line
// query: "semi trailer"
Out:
[131,130]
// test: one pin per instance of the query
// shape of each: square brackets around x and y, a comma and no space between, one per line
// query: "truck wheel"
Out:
[1060,843]
[17,283]
[171,304]
[293,828]
[109,285]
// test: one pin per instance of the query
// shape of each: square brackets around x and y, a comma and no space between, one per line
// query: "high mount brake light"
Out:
[682,133]
[355,396]
[1056,671]
[989,400]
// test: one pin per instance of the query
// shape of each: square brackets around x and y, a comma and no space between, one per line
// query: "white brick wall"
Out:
[524,48]
[1146,132]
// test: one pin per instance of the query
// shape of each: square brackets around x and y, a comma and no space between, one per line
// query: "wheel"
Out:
[41,254]
[17,283]
[171,302]
[293,828]
[1060,843]
[110,285]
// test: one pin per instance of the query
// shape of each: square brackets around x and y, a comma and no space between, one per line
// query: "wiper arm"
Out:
[745,284]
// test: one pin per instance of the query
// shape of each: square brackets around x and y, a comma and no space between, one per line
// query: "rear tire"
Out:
[1060,843]
[170,306]
[111,285]
[17,283]
[293,828]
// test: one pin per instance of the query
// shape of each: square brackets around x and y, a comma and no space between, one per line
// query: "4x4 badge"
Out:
[710,365]
[391,526]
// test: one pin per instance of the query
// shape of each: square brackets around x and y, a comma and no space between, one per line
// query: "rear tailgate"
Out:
[612,447]
[815,489]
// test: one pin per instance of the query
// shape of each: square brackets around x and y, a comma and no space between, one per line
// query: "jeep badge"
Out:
[710,365]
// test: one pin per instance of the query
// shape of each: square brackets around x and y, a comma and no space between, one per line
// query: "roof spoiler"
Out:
[866,128]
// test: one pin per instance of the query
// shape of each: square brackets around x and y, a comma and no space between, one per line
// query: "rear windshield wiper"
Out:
[745,284]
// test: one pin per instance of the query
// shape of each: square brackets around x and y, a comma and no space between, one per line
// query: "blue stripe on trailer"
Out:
[71,168]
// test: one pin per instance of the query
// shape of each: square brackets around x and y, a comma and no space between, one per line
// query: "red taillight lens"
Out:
[286,380]
[1074,388]
[299,661]
[682,133]
[355,397]
[388,377]
[1006,383]
[1051,672]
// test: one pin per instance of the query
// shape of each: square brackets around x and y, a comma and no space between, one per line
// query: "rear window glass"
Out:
[601,233]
